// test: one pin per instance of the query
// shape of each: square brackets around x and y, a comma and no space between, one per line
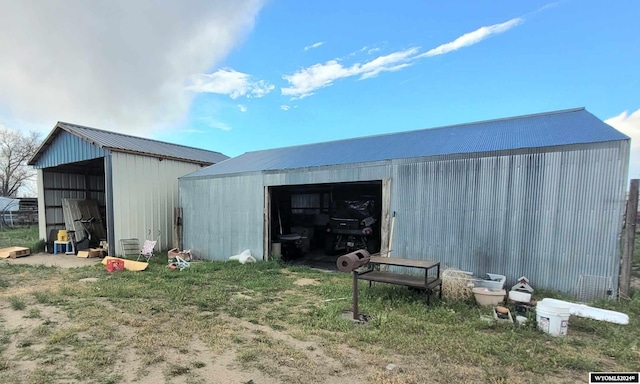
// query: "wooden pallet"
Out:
[13,252]
[92,252]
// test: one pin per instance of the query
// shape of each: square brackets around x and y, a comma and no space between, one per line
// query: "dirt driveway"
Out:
[50,260]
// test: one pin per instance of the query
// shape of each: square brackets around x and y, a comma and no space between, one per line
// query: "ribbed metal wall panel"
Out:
[223,217]
[68,148]
[543,130]
[549,214]
[145,192]
[119,142]
[58,186]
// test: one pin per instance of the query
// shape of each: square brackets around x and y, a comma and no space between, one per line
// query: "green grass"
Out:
[22,237]
[17,303]
[290,332]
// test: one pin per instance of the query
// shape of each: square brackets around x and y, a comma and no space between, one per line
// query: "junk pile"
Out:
[552,315]
[521,295]
[179,263]
[179,259]
[489,291]
[175,252]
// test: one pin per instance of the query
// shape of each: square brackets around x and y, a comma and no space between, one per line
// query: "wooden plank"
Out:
[129,265]
[386,214]
[74,209]
[177,228]
[266,240]
[403,262]
[13,252]
[92,252]
[624,285]
[400,279]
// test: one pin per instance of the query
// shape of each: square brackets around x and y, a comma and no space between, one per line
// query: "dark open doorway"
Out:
[313,224]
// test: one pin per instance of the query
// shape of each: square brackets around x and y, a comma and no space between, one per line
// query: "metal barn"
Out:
[133,180]
[538,195]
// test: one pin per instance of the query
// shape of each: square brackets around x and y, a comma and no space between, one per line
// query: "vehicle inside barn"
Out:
[313,224]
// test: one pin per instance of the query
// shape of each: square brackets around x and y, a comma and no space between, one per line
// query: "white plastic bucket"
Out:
[552,319]
[582,310]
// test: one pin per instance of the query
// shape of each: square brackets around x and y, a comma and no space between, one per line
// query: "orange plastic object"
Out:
[115,265]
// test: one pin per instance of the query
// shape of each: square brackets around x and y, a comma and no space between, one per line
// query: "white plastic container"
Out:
[485,296]
[586,311]
[521,297]
[553,317]
[496,282]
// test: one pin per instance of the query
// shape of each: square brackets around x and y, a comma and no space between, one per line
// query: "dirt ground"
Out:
[50,260]
[194,363]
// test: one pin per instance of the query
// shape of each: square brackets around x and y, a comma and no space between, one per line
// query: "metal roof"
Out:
[118,142]
[572,126]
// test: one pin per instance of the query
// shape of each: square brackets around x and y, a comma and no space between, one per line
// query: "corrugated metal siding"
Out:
[145,192]
[223,218]
[558,128]
[61,182]
[549,215]
[68,148]
[119,141]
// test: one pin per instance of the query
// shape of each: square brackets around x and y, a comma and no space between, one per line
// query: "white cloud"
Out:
[118,65]
[242,108]
[306,81]
[285,107]
[630,126]
[388,63]
[227,81]
[213,123]
[314,45]
[473,37]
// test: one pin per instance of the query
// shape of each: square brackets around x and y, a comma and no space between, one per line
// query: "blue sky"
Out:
[247,75]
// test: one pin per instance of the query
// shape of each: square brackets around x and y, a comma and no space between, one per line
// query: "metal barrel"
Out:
[353,260]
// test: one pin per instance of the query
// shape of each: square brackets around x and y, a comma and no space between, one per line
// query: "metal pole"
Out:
[624,284]
[356,314]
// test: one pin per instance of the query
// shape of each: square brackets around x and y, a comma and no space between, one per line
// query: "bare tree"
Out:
[16,148]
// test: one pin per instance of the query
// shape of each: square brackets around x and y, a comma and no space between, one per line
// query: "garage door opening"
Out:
[79,184]
[314,224]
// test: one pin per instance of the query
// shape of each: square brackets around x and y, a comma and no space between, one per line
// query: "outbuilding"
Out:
[132,180]
[538,195]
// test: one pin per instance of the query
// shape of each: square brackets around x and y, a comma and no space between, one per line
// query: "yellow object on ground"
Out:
[129,265]
[62,235]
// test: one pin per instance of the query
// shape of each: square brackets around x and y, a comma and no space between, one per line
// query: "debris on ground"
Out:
[179,263]
[184,254]
[456,284]
[13,252]
[244,257]
[129,265]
